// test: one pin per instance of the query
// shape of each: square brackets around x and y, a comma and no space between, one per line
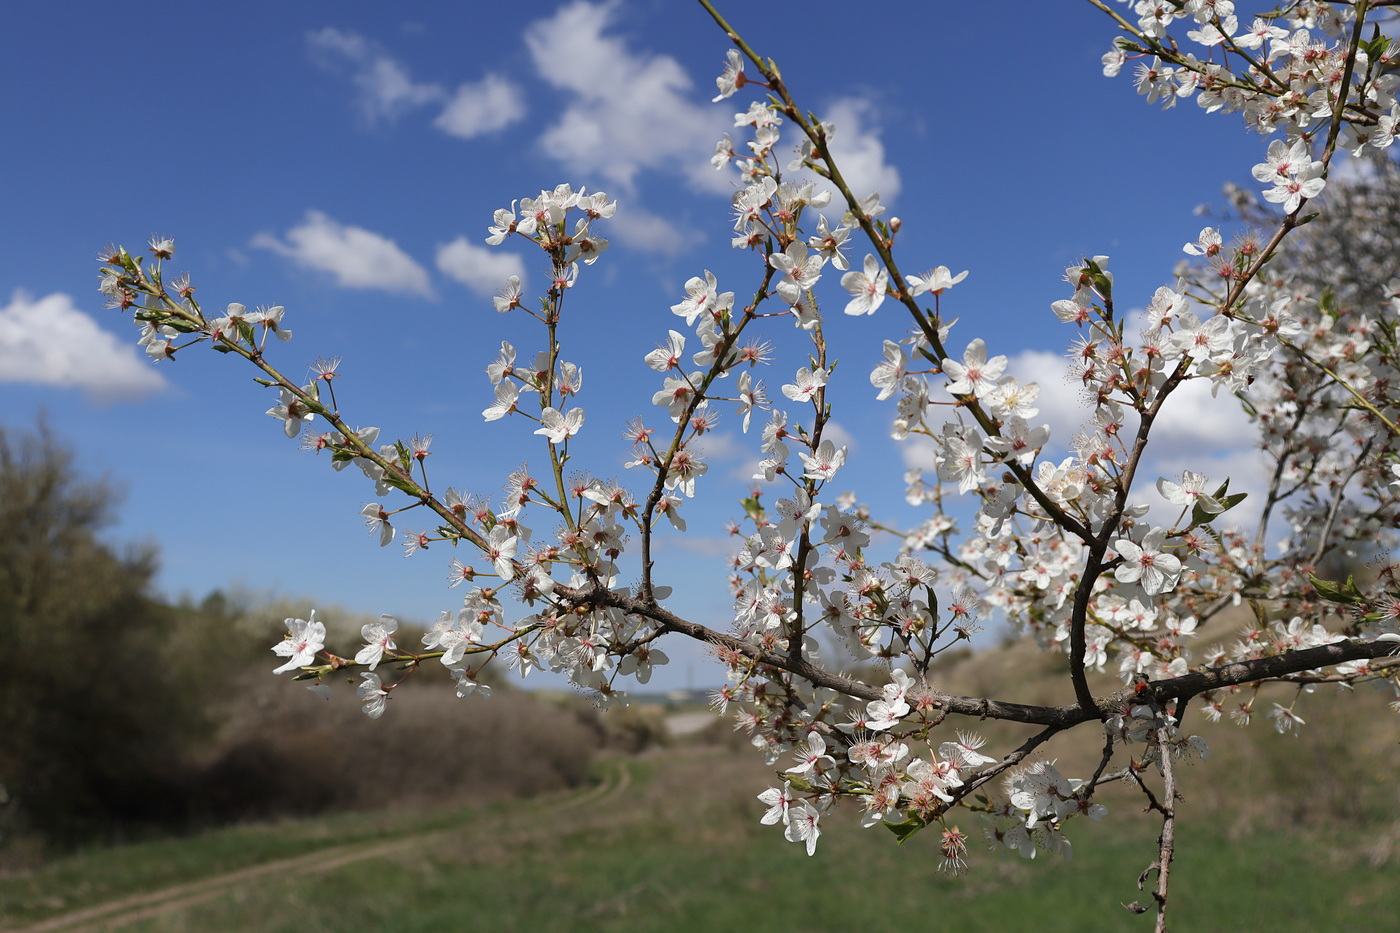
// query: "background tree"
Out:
[96,708]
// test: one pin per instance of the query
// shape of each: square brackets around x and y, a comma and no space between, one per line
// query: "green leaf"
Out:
[1231,501]
[1102,284]
[798,782]
[399,483]
[904,830]
[1377,45]
[1200,515]
[1337,592]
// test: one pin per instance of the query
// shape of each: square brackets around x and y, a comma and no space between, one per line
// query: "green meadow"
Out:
[670,841]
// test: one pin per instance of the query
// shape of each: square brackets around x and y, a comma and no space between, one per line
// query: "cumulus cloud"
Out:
[51,342]
[627,111]
[1193,423]
[385,89]
[482,107]
[858,150]
[732,454]
[836,432]
[480,268]
[1195,431]
[641,229]
[354,256]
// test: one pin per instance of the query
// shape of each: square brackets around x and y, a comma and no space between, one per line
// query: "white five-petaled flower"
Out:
[732,78]
[676,394]
[510,295]
[805,385]
[1285,720]
[810,758]
[802,825]
[867,288]
[700,297]
[887,376]
[507,394]
[749,396]
[1147,564]
[1190,492]
[1207,244]
[557,426]
[304,638]
[778,803]
[372,694]
[964,750]
[975,375]
[377,520]
[823,463]
[935,281]
[886,712]
[1042,791]
[1293,174]
[500,550]
[466,686]
[503,224]
[668,355]
[292,411]
[379,637]
[800,271]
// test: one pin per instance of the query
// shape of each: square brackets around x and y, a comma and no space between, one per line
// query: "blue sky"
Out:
[344,159]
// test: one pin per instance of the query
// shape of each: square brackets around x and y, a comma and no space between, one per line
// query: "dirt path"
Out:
[137,907]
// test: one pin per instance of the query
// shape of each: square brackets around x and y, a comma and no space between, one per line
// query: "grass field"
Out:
[671,842]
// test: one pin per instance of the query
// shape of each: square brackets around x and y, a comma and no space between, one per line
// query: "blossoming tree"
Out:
[1068,552]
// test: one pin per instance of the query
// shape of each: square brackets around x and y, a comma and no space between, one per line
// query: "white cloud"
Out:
[480,268]
[627,111]
[1207,435]
[385,88]
[387,91]
[918,453]
[732,454]
[722,447]
[640,229]
[482,107]
[1192,423]
[51,342]
[1194,431]
[1062,403]
[858,150]
[356,257]
[836,432]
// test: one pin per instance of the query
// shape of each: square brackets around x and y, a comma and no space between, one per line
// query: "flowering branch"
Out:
[1066,552]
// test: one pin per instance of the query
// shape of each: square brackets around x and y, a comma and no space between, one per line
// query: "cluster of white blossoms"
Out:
[1283,78]
[1065,549]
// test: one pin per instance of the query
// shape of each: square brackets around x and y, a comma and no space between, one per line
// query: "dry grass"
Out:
[1338,768]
